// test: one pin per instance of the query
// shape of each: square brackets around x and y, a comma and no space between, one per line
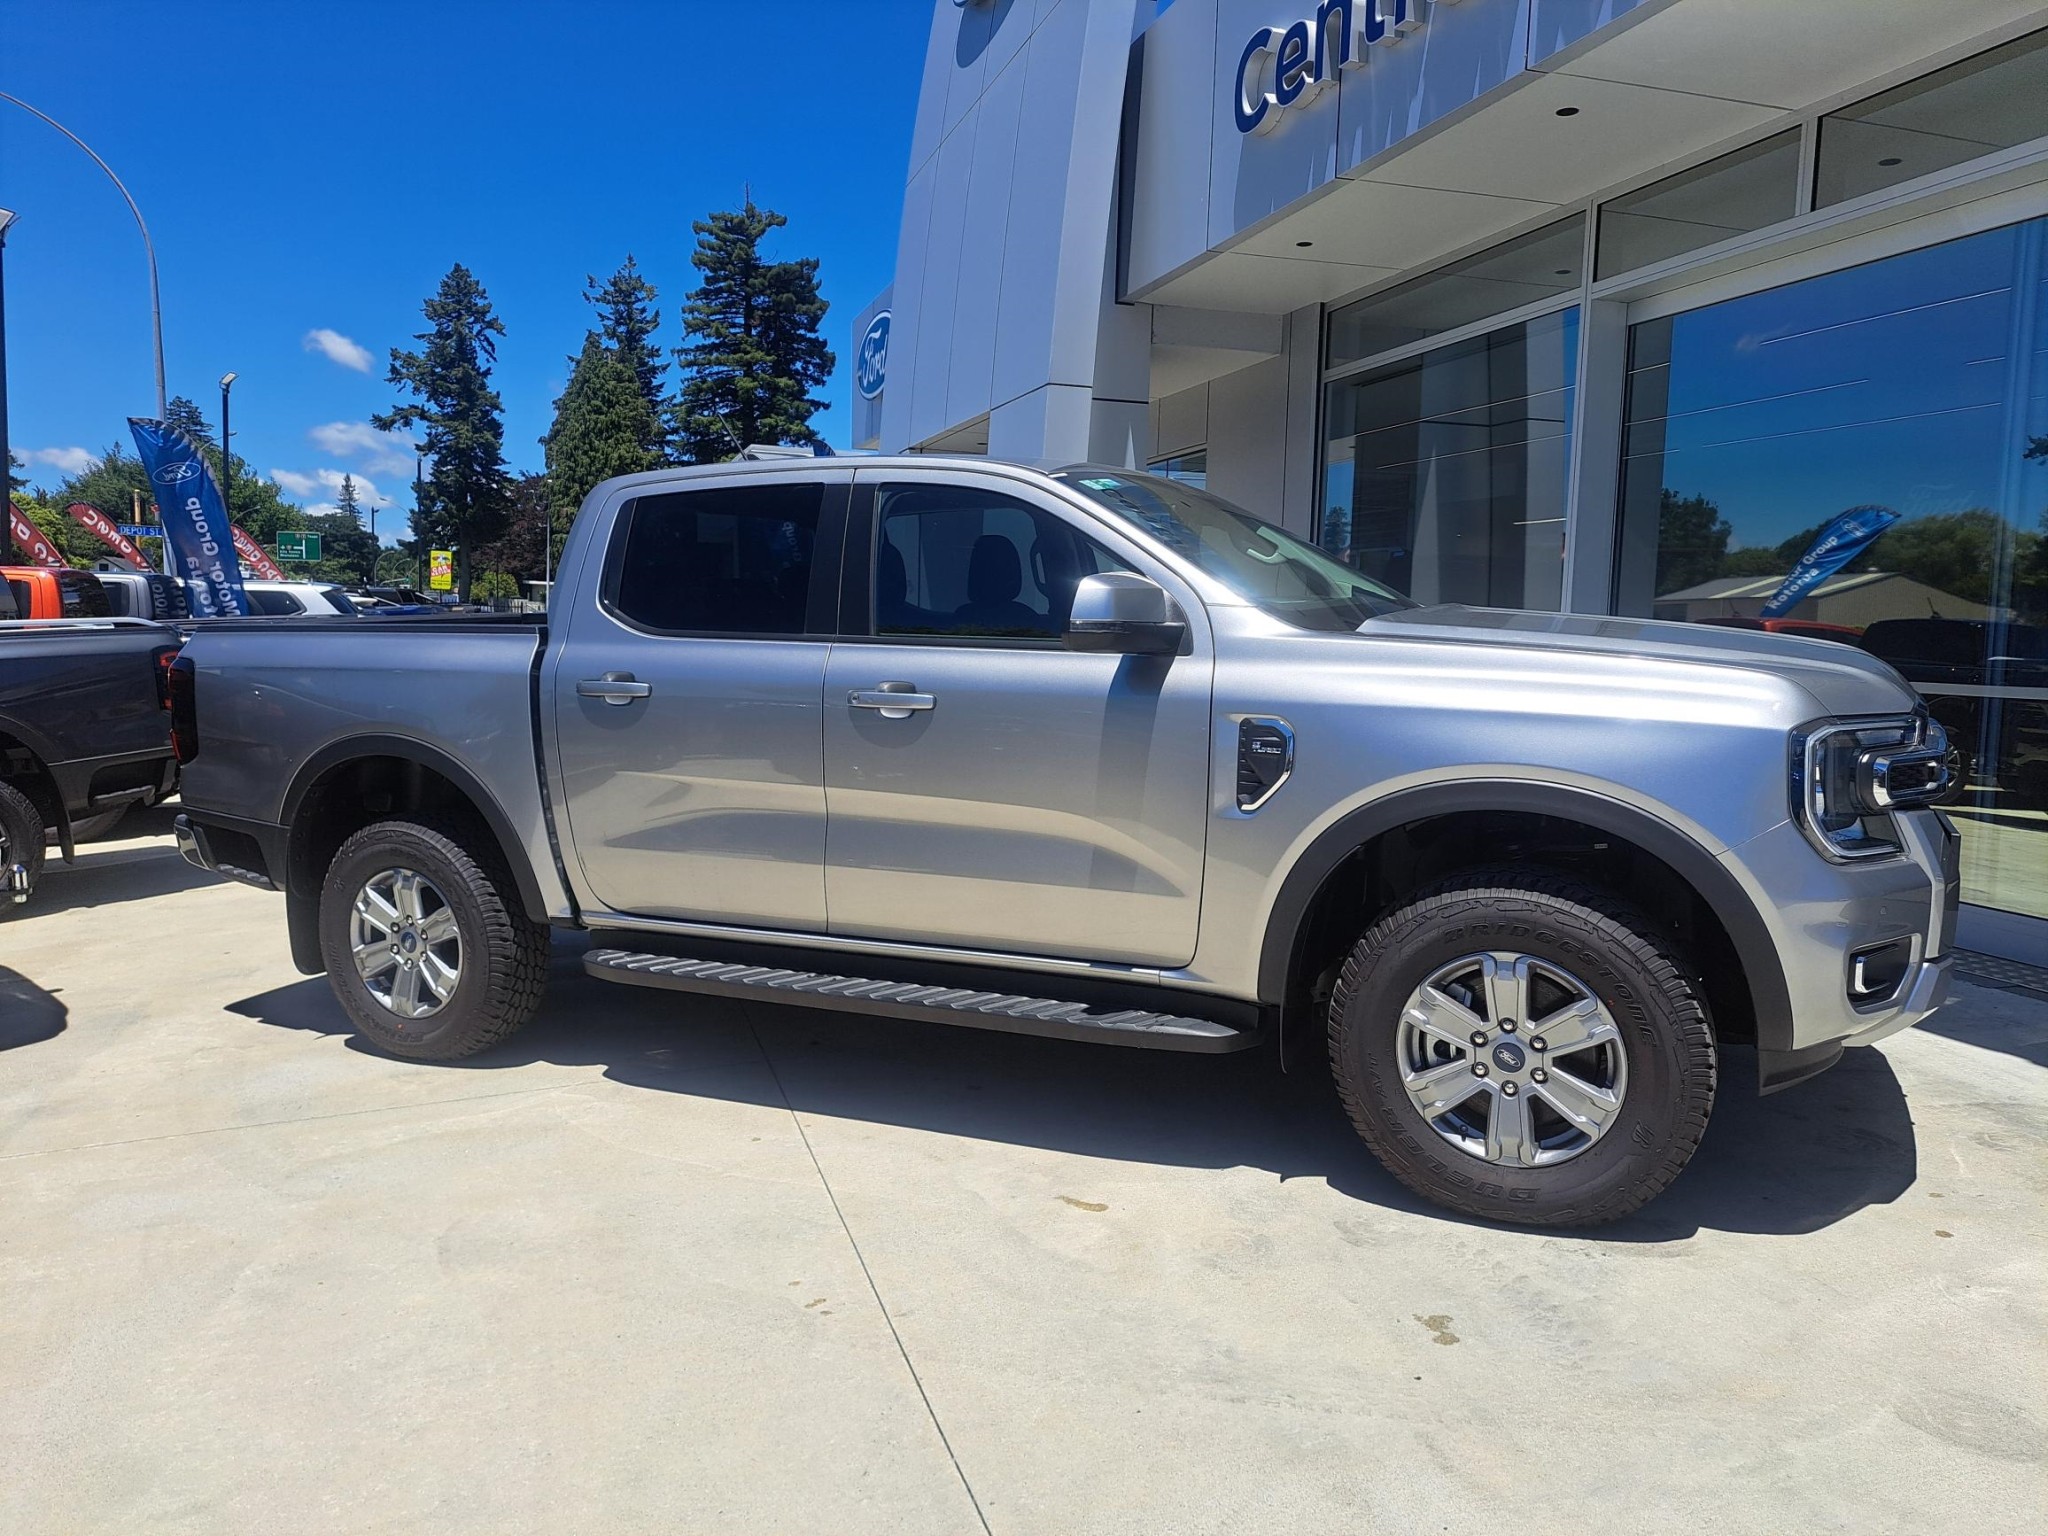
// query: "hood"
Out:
[1841,679]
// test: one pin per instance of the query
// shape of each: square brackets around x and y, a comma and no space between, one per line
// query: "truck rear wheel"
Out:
[1521,1047]
[425,943]
[21,827]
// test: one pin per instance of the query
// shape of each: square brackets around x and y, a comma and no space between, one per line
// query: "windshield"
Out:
[1288,577]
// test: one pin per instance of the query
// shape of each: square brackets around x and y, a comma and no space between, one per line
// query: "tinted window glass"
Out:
[1730,196]
[733,561]
[1987,103]
[337,602]
[958,561]
[1539,265]
[83,596]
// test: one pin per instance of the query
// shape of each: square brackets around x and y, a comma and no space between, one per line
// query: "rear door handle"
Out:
[613,688]
[896,701]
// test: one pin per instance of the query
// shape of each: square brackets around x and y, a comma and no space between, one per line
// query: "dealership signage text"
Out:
[1284,67]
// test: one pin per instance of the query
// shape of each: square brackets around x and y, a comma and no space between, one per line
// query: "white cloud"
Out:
[69,461]
[327,482]
[337,348]
[386,452]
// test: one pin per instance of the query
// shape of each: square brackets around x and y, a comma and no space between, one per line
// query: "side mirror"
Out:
[1125,614]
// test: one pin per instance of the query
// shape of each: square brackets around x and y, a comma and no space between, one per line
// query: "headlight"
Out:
[1848,777]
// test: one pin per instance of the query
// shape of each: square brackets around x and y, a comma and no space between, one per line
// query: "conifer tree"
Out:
[467,498]
[629,323]
[182,413]
[346,501]
[602,427]
[752,353]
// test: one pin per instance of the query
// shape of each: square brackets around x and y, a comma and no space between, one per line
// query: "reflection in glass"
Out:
[1990,102]
[1188,468]
[1730,196]
[1445,477]
[1539,265]
[1918,385]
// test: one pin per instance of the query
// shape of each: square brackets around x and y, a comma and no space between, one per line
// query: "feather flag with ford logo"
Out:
[194,521]
[108,532]
[29,539]
[1832,548]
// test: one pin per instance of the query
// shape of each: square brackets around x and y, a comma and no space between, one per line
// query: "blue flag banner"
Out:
[1832,548]
[195,524]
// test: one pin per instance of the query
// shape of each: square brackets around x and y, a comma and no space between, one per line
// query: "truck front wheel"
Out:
[425,943]
[1521,1047]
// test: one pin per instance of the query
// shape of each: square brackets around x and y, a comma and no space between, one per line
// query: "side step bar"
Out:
[918,1000]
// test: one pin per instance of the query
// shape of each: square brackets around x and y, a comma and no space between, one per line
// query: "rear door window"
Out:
[272,604]
[736,560]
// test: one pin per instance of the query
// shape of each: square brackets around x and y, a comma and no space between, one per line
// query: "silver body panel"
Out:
[1060,811]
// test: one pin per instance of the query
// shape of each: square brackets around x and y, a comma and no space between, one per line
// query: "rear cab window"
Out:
[735,560]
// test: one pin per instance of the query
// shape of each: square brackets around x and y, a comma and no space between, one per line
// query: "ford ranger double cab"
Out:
[1093,754]
[83,734]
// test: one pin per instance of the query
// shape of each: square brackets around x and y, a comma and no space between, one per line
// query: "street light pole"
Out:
[7,217]
[227,452]
[156,308]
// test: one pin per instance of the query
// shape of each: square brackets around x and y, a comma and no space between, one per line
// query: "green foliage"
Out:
[15,482]
[493,585]
[398,567]
[523,549]
[629,322]
[468,494]
[182,413]
[601,428]
[347,552]
[752,353]
[1692,542]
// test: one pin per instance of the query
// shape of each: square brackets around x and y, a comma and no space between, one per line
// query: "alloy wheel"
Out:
[407,947]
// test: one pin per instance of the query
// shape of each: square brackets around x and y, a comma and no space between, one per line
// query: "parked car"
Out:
[145,595]
[55,592]
[388,602]
[84,734]
[1096,755]
[297,599]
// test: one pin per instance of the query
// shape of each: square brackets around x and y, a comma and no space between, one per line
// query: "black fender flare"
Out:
[1704,873]
[411,749]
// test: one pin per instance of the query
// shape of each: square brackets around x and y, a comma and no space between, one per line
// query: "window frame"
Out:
[863,529]
[821,597]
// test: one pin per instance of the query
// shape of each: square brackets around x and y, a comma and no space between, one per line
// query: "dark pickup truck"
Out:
[84,733]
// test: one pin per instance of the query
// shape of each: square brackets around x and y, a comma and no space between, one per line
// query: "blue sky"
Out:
[309,172]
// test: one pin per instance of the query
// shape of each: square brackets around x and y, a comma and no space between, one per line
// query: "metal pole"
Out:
[227,456]
[6,453]
[156,307]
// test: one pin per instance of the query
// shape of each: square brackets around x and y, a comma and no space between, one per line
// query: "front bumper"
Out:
[1822,914]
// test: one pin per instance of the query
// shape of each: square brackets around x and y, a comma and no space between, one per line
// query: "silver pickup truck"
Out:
[1094,754]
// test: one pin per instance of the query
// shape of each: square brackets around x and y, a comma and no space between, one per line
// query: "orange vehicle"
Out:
[54,592]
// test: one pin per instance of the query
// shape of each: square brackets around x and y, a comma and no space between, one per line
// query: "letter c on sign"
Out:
[1253,112]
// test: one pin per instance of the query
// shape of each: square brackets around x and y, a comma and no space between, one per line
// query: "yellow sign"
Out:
[441,569]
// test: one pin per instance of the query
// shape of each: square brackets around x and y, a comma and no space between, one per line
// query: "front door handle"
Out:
[613,688]
[896,701]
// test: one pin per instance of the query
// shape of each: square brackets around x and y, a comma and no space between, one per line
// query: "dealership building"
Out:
[1606,306]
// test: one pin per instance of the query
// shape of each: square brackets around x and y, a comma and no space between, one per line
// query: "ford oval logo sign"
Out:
[871,364]
[177,474]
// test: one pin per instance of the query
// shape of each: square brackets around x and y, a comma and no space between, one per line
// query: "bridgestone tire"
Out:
[1617,952]
[23,825]
[504,953]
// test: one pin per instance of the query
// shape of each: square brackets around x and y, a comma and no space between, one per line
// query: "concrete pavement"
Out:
[672,1265]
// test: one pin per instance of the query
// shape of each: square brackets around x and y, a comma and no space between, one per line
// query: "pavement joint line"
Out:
[262,1125]
[861,1259]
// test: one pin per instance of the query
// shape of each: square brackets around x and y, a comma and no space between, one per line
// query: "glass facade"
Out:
[1446,475]
[1910,395]
[1748,189]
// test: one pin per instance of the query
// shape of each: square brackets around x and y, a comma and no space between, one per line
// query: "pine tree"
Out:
[602,427]
[467,498]
[752,353]
[629,322]
[346,501]
[182,413]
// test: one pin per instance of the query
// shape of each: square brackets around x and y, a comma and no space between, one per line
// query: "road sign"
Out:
[141,530]
[441,569]
[298,546]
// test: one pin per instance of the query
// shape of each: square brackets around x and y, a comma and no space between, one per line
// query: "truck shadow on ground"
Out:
[28,1014]
[1794,1163]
